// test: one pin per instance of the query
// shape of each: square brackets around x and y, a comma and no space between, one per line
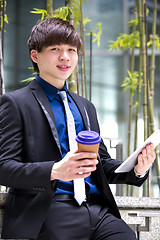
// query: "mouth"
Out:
[63,67]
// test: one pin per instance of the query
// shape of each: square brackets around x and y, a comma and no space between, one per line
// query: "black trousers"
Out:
[68,221]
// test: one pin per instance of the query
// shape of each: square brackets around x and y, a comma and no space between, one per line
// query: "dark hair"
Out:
[52,31]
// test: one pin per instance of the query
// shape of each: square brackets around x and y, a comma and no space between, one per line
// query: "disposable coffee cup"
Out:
[88,141]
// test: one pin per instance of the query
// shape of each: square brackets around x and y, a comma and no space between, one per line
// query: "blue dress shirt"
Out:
[64,187]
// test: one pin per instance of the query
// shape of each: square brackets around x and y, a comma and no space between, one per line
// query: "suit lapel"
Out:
[44,104]
[82,110]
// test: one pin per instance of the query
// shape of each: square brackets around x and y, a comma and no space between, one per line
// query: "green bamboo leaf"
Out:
[28,79]
[35,12]
[94,34]
[126,81]
[126,88]
[128,40]
[40,11]
[129,73]
[5,15]
[131,82]
[157,42]
[113,46]
[62,13]
[5,18]
[85,21]
[140,83]
[94,40]
[147,12]
[133,22]
[124,84]
[135,105]
[97,34]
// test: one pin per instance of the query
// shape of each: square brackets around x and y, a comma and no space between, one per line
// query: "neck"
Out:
[58,83]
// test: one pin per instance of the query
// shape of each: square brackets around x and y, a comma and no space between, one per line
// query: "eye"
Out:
[54,49]
[72,49]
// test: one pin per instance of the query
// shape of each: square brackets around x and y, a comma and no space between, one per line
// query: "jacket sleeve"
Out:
[13,172]
[109,164]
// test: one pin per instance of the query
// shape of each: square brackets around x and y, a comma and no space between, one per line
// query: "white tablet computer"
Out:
[131,161]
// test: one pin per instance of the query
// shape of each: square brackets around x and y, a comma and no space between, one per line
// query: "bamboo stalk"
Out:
[83,50]
[130,93]
[138,5]
[72,80]
[130,188]
[152,80]
[148,182]
[77,79]
[145,116]
[144,70]
[82,80]
[140,19]
[152,67]
[130,106]
[90,81]
[49,7]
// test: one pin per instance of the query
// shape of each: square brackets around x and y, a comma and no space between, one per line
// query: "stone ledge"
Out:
[137,203]
[142,204]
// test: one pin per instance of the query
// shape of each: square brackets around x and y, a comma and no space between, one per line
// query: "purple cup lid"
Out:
[88,137]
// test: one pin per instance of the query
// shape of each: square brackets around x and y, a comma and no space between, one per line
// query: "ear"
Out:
[33,55]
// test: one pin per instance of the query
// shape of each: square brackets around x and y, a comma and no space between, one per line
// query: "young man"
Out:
[35,159]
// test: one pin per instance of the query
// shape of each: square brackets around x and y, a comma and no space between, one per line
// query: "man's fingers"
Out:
[151,152]
[145,159]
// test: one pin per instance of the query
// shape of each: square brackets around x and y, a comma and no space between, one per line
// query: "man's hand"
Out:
[73,165]
[145,159]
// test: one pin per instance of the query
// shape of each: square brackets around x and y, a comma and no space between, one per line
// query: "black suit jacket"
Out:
[29,147]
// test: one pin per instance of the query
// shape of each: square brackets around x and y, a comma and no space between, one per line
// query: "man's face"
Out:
[56,63]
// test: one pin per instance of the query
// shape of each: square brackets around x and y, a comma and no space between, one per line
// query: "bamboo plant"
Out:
[126,41]
[154,44]
[76,19]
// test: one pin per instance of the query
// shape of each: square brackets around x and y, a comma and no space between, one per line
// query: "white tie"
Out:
[79,184]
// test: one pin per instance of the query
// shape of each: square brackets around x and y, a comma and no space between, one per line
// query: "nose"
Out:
[64,56]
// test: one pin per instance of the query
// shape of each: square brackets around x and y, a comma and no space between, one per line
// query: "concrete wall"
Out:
[126,205]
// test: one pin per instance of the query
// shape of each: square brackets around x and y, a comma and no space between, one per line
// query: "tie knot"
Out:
[62,94]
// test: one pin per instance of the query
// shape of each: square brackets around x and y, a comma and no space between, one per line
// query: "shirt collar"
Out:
[49,89]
